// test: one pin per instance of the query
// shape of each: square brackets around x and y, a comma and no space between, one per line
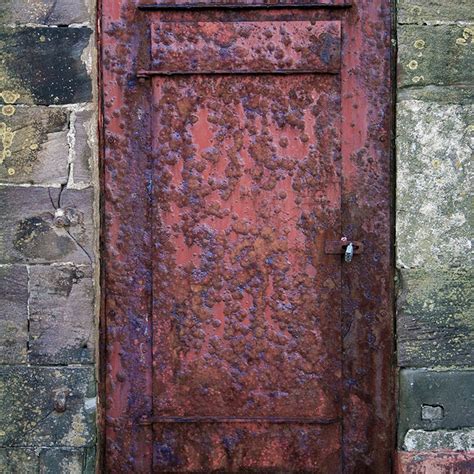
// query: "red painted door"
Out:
[240,145]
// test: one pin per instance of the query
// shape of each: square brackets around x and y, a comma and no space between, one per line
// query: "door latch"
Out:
[345,247]
[349,253]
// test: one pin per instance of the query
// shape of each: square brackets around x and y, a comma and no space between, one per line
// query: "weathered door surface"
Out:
[246,153]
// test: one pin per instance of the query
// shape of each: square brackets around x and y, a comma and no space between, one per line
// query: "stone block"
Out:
[64,461]
[35,148]
[44,12]
[44,66]
[434,183]
[84,125]
[419,440]
[61,314]
[451,390]
[458,95]
[19,461]
[435,324]
[13,314]
[435,462]
[47,406]
[441,55]
[434,11]
[42,225]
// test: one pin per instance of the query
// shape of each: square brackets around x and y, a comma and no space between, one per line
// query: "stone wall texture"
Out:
[48,238]
[434,219]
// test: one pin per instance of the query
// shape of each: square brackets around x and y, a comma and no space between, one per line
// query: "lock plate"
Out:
[339,247]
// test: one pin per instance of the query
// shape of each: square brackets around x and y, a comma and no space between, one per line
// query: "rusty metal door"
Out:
[247,320]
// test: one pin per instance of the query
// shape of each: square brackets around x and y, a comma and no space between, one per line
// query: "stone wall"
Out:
[434,217]
[48,266]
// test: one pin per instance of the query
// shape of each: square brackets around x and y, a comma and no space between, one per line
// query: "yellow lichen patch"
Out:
[417,79]
[468,33]
[11,171]
[419,44]
[467,37]
[9,97]
[8,110]
[413,65]
[42,38]
[470,128]
[6,136]
[34,146]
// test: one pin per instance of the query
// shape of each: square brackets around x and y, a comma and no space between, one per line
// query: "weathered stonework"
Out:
[41,225]
[434,11]
[44,65]
[47,406]
[61,296]
[436,307]
[434,221]
[34,146]
[45,12]
[14,321]
[48,238]
[435,177]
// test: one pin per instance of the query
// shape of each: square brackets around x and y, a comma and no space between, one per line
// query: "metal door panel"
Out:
[246,302]
[234,335]
[190,4]
[246,47]
[247,447]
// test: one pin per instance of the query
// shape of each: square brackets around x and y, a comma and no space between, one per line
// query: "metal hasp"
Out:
[339,247]
[233,339]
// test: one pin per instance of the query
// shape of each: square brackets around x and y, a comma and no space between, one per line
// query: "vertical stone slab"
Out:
[435,176]
[83,126]
[13,314]
[61,314]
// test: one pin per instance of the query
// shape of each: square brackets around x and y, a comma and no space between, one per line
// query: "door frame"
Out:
[125,322]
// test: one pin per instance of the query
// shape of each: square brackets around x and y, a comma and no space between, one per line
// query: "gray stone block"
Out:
[19,461]
[82,173]
[44,66]
[47,406]
[455,440]
[61,314]
[434,11]
[451,390]
[435,323]
[35,147]
[44,12]
[63,461]
[34,230]
[434,183]
[440,55]
[13,314]
[458,95]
